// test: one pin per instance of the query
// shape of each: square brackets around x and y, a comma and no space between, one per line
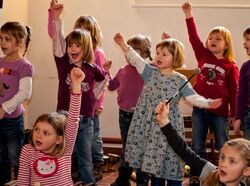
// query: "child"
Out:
[56,33]
[145,148]
[47,160]
[80,53]
[234,158]
[16,87]
[243,100]
[218,79]
[129,84]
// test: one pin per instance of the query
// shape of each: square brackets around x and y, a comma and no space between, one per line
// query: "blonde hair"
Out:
[141,43]
[229,52]
[176,48]
[57,121]
[20,32]
[83,38]
[90,23]
[243,147]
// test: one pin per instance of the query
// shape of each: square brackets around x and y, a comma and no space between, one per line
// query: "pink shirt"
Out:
[128,84]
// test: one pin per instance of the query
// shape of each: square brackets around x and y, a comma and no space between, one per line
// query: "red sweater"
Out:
[218,77]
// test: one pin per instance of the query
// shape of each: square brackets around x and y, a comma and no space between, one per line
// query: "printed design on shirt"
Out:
[6,71]
[212,74]
[2,87]
[46,166]
[84,85]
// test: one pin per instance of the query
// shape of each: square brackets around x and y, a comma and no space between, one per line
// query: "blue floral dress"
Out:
[147,148]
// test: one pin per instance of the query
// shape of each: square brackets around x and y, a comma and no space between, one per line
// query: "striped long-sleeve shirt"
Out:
[37,168]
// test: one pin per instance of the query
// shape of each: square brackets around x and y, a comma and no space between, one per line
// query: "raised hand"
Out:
[56,8]
[162,111]
[77,76]
[165,35]
[119,39]
[107,66]
[187,9]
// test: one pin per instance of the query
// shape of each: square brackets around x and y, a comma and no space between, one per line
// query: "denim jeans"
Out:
[97,150]
[246,124]
[83,150]
[125,119]
[11,143]
[201,121]
[162,182]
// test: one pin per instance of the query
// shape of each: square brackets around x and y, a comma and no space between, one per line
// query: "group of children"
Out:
[150,144]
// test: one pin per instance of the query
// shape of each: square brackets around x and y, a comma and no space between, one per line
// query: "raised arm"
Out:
[132,56]
[177,143]
[55,28]
[77,76]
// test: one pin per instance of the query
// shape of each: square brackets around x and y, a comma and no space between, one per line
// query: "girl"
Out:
[218,79]
[56,33]
[234,158]
[80,53]
[16,87]
[243,100]
[145,148]
[47,159]
[129,84]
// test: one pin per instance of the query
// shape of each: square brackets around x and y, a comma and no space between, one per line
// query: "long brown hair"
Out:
[20,32]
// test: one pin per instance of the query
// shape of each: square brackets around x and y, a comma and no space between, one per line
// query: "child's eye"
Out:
[69,45]
[45,133]
[222,157]
[78,45]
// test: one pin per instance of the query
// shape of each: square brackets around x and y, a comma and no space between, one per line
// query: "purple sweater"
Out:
[243,98]
[92,74]
[129,85]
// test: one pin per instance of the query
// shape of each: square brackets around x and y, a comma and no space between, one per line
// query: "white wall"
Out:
[114,16]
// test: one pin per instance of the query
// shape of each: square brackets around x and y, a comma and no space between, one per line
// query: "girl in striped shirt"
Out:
[47,159]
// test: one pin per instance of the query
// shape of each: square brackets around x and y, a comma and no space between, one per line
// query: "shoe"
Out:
[120,183]
[98,175]
[98,171]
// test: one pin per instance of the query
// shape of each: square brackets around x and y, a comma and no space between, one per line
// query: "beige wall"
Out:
[113,16]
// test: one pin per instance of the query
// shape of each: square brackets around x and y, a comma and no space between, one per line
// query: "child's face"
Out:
[247,44]
[216,43]
[75,53]
[45,138]
[8,44]
[231,166]
[163,59]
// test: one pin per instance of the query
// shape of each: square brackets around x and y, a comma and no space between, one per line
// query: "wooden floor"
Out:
[109,178]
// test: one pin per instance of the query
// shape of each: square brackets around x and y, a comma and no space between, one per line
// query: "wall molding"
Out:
[195,3]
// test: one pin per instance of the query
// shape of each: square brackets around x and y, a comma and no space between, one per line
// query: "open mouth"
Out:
[222,173]
[37,143]
[74,56]
[158,62]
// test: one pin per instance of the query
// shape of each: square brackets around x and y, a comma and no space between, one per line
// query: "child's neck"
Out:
[13,57]
[219,56]
[167,71]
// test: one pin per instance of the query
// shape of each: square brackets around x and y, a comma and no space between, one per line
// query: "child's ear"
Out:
[246,172]
[59,140]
